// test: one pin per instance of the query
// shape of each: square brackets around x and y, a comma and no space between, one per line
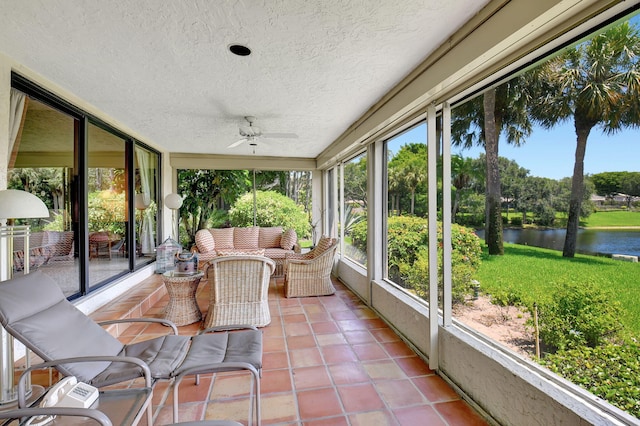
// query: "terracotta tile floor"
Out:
[327,361]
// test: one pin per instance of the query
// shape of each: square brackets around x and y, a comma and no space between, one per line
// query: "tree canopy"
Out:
[595,84]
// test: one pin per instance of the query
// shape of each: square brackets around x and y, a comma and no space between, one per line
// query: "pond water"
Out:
[590,241]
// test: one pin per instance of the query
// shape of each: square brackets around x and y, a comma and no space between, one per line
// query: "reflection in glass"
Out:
[146,186]
[42,162]
[107,196]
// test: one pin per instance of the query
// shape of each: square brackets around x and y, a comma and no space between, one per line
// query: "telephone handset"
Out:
[68,392]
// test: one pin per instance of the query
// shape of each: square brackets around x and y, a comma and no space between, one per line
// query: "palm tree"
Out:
[414,176]
[395,190]
[463,172]
[408,169]
[596,83]
[480,121]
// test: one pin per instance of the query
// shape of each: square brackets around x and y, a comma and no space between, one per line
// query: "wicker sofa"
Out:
[272,242]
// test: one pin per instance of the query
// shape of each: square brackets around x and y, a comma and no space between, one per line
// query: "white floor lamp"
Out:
[174,202]
[14,204]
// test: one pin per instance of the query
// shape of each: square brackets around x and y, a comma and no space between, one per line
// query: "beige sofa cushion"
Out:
[270,237]
[241,252]
[205,241]
[246,238]
[223,238]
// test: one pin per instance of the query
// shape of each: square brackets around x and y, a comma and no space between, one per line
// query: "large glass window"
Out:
[108,213]
[43,163]
[48,142]
[354,218]
[147,180]
[407,209]
[544,171]
[244,198]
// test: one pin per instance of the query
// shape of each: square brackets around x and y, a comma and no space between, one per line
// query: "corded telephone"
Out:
[69,393]
[66,393]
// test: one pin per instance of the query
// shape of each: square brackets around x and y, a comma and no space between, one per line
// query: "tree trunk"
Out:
[456,204]
[577,190]
[493,225]
[413,201]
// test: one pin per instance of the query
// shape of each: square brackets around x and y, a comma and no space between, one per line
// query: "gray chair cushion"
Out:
[162,355]
[245,346]
[34,310]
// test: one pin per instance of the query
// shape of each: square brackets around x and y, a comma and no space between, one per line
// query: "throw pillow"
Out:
[324,243]
[270,237]
[205,241]
[289,239]
[223,238]
[245,238]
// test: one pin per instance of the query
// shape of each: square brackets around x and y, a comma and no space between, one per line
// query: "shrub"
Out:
[417,277]
[405,236]
[107,212]
[578,314]
[506,297]
[516,221]
[409,261]
[58,222]
[355,226]
[611,372]
[272,209]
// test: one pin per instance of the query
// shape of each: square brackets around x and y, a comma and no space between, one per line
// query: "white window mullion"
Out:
[341,208]
[446,212]
[432,224]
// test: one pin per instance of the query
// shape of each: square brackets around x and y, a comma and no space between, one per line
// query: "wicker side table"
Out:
[182,308]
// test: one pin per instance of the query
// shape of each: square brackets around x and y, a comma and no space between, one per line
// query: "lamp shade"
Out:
[16,204]
[142,201]
[173,201]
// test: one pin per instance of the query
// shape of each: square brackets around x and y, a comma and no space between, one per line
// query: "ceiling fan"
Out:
[252,133]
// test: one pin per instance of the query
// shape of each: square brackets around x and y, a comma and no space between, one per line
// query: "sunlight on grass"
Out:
[532,273]
[613,218]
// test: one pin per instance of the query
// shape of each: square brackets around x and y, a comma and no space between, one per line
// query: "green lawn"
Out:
[532,273]
[612,219]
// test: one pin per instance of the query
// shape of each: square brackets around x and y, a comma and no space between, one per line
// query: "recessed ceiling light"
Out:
[240,50]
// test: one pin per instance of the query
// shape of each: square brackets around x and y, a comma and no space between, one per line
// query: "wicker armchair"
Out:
[239,290]
[309,274]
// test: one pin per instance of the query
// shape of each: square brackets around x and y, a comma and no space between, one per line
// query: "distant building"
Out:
[617,200]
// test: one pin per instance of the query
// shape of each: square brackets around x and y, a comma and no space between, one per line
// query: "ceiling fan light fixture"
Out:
[239,50]
[252,133]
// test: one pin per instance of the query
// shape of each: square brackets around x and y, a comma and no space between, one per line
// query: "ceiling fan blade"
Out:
[280,135]
[236,143]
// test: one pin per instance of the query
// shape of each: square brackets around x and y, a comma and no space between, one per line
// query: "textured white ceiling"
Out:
[163,69]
